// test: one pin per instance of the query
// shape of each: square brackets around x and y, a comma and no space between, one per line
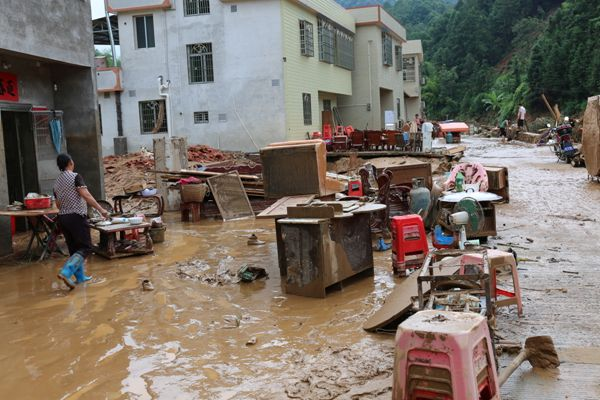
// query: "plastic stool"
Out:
[192,206]
[499,259]
[444,355]
[409,243]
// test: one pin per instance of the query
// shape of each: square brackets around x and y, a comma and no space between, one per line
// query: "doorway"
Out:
[20,153]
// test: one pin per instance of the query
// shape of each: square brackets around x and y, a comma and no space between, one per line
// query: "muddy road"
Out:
[196,338]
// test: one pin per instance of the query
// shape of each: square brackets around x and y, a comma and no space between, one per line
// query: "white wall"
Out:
[247,61]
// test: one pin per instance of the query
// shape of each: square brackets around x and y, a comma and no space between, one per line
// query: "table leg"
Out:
[110,244]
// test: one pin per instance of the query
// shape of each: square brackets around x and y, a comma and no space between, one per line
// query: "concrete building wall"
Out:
[108,114]
[51,29]
[370,79]
[413,52]
[307,74]
[245,102]
[48,44]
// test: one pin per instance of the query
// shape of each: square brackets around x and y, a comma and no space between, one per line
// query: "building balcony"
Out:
[109,80]
[117,6]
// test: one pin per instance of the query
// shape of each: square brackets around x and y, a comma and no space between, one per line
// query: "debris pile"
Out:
[126,170]
[203,154]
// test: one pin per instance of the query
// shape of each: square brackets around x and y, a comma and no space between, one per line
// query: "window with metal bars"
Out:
[307,108]
[409,69]
[386,40]
[201,117]
[144,31]
[344,49]
[306,39]
[398,58]
[326,33]
[196,7]
[153,117]
[200,63]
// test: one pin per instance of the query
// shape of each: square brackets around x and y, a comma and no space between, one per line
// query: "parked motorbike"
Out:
[561,142]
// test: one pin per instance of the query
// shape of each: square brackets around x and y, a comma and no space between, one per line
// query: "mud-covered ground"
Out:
[202,335]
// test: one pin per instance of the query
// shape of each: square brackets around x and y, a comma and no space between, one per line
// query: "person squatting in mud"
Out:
[72,199]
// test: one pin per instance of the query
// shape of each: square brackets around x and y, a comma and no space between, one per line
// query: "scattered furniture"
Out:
[436,350]
[230,196]
[405,173]
[294,168]
[156,199]
[110,247]
[409,243]
[192,207]
[321,246]
[500,260]
[357,140]
[498,181]
[44,231]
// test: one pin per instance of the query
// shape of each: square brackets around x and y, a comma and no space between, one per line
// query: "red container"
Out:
[13,226]
[38,203]
[355,188]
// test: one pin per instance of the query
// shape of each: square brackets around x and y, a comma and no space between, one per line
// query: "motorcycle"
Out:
[561,143]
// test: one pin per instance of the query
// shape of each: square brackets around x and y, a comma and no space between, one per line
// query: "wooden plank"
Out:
[229,194]
[399,301]
[120,227]
[279,208]
[190,172]
[29,213]
[310,212]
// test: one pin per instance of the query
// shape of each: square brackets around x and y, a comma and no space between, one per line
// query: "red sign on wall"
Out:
[9,87]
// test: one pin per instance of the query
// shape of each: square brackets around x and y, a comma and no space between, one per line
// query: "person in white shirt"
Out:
[521,117]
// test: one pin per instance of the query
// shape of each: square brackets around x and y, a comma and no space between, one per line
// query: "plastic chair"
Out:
[409,240]
[444,355]
[500,260]
[441,241]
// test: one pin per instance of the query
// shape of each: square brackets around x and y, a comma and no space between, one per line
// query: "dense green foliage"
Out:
[479,55]
[485,57]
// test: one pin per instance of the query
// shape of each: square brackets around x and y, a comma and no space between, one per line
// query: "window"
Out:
[196,7]
[336,44]
[409,69]
[153,117]
[398,58]
[306,39]
[344,49]
[307,108]
[326,33]
[201,117]
[326,105]
[387,49]
[200,63]
[144,31]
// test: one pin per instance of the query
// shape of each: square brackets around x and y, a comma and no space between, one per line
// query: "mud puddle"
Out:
[189,339]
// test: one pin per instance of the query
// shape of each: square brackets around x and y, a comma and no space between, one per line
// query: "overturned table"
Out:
[108,246]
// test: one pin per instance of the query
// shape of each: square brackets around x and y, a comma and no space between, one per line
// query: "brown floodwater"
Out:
[189,339]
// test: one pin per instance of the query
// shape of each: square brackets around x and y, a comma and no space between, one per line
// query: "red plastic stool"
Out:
[501,259]
[409,243]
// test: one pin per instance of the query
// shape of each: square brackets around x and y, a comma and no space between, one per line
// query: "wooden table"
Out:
[108,240]
[44,230]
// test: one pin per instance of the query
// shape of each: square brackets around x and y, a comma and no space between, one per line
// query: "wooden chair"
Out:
[358,140]
[373,140]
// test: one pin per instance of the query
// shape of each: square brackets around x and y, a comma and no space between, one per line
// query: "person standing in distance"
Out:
[521,117]
[72,199]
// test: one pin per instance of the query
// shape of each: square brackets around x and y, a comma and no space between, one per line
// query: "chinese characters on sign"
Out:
[9,87]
